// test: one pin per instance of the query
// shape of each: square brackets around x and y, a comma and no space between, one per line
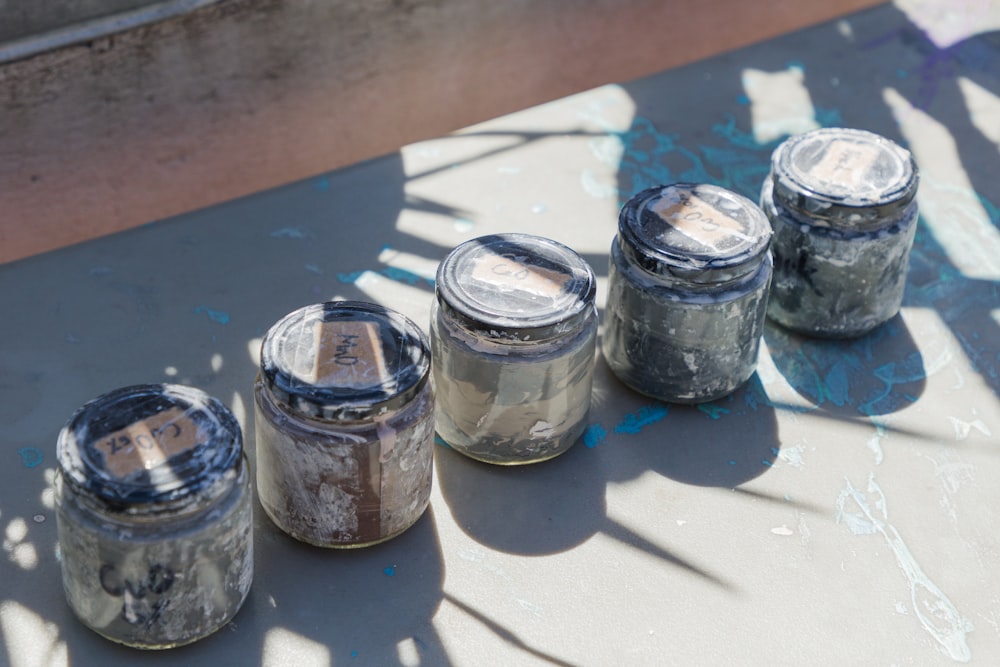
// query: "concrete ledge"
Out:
[247,94]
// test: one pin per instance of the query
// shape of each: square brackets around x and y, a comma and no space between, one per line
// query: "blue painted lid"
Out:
[694,232]
[516,287]
[344,360]
[148,445]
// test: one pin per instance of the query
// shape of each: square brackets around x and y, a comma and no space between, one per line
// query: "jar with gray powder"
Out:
[513,335]
[154,515]
[687,292]
[344,424]
[841,202]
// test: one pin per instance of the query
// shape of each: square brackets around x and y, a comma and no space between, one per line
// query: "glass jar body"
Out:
[510,403]
[344,484]
[682,344]
[159,578]
[832,282]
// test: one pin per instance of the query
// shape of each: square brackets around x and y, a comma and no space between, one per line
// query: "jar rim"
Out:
[697,233]
[148,446]
[344,360]
[843,177]
[516,287]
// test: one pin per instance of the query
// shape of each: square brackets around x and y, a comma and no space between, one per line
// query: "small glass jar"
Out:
[154,515]
[842,205]
[687,292]
[345,424]
[513,336]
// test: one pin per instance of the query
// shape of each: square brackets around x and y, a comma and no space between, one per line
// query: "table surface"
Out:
[841,508]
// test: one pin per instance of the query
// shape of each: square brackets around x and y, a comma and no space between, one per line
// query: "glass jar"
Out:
[842,206]
[687,292]
[154,515]
[345,424]
[513,336]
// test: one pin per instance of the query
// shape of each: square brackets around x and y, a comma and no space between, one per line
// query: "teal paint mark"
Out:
[440,441]
[836,387]
[766,463]
[217,316]
[910,369]
[390,272]
[594,435]
[31,457]
[636,421]
[288,233]
[390,571]
[404,276]
[350,278]
[314,268]
[321,184]
[354,654]
[713,411]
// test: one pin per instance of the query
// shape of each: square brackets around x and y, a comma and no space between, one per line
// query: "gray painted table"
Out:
[842,508]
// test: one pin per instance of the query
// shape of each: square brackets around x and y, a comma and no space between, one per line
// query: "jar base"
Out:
[507,462]
[165,646]
[340,545]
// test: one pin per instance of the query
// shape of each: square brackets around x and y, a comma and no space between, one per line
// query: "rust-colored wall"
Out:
[249,94]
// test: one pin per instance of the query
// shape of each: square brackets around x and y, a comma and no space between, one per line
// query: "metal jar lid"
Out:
[844,178]
[344,360]
[516,287]
[148,445]
[697,233]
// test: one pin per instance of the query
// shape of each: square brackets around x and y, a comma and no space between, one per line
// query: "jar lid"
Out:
[845,178]
[516,287]
[149,444]
[344,360]
[696,232]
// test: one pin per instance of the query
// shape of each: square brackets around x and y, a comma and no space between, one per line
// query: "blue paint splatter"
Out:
[440,441]
[593,436]
[390,571]
[836,385]
[218,316]
[636,421]
[31,456]
[321,184]
[354,654]
[390,272]
[713,411]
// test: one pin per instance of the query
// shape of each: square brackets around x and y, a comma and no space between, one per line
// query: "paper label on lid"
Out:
[845,164]
[348,354]
[513,271]
[148,443]
[699,221]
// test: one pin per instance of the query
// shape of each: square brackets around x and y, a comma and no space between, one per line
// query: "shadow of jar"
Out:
[721,443]
[876,374]
[535,509]
[357,603]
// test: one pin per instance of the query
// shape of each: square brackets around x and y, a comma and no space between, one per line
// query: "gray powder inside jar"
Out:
[841,202]
[344,412]
[513,336]
[154,515]
[687,292]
